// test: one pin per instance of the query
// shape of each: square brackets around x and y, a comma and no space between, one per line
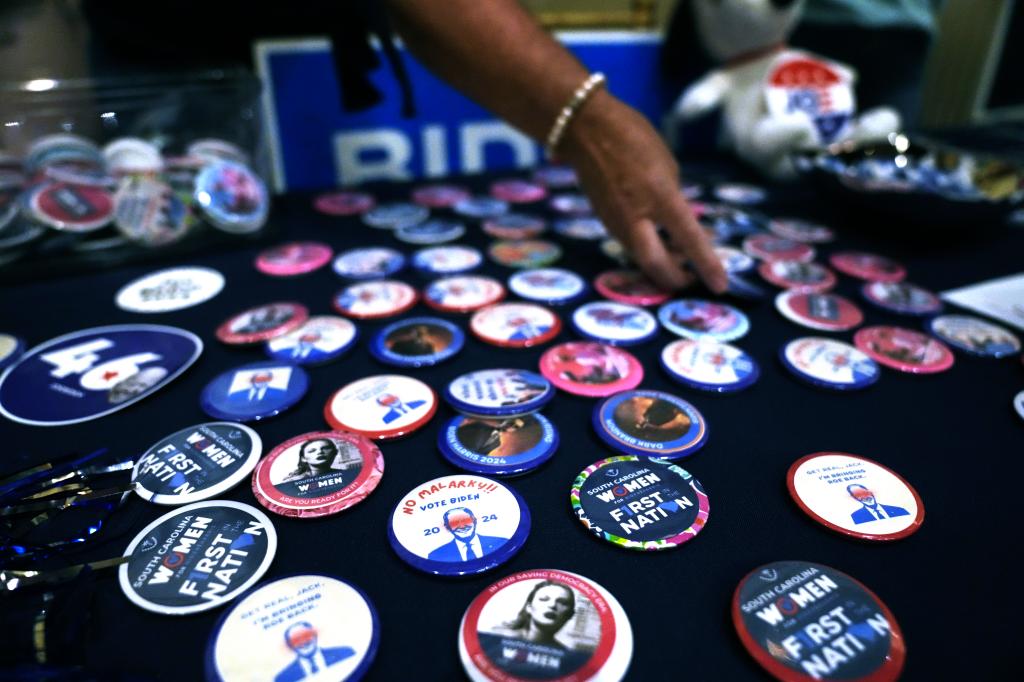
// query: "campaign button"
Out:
[456,525]
[698,319]
[499,393]
[801,230]
[733,260]
[439,196]
[571,204]
[902,297]
[480,207]
[797,276]
[855,496]
[867,266]
[556,177]
[828,363]
[591,369]
[168,290]
[463,293]
[553,286]
[94,372]
[11,348]
[507,446]
[618,324]
[319,339]
[212,149]
[825,312]
[518,191]
[631,287]
[581,227]
[375,299]
[904,349]
[395,215]
[381,407]
[739,193]
[132,155]
[344,203]
[196,463]
[72,208]
[197,557]
[709,365]
[233,198]
[768,247]
[1018,404]
[433,231]
[254,391]
[972,335]
[150,213]
[524,253]
[294,258]
[368,263]
[318,474]
[417,342]
[515,325]
[650,424]
[514,226]
[447,260]
[262,323]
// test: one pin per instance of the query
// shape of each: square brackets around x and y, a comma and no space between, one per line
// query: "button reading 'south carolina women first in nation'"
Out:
[855,496]
[459,525]
[803,622]
[498,446]
[318,474]
[381,407]
[294,627]
[650,424]
[197,557]
[197,463]
[93,372]
[640,503]
[548,625]
[499,393]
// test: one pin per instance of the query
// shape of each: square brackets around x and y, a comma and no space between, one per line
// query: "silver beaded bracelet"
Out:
[580,96]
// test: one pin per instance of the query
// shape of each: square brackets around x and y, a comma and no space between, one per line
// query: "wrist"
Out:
[590,128]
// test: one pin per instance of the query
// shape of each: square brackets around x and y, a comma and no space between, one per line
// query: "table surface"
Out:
[954,436]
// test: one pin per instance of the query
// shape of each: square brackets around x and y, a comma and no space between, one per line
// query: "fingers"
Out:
[687,234]
[652,256]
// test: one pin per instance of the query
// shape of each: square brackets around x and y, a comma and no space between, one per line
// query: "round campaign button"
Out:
[709,365]
[1018,404]
[318,474]
[213,149]
[571,204]
[698,319]
[254,391]
[518,191]
[630,286]
[591,369]
[801,230]
[417,342]
[614,250]
[94,372]
[970,334]
[344,203]
[768,247]
[132,155]
[499,393]
[262,323]
[739,193]
[691,190]
[515,325]
[640,503]
[463,293]
[514,226]
[506,446]
[168,290]
[581,227]
[290,627]
[148,212]
[828,363]
[797,276]
[375,299]
[368,263]
[867,266]
[381,407]
[447,260]
[439,196]
[480,207]
[902,297]
[395,215]
[553,286]
[723,222]
[650,424]
[904,349]
[196,463]
[734,260]
[459,525]
[545,624]
[197,557]
[556,177]
[294,258]
[232,197]
[435,231]
[856,637]
[855,496]
[73,208]
[11,348]
[825,312]
[319,339]
[524,253]
[618,324]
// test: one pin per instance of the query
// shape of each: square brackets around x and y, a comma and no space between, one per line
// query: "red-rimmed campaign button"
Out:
[381,407]
[768,247]
[867,266]
[293,258]
[801,230]
[797,275]
[515,325]
[855,496]
[630,286]
[439,196]
[318,474]
[463,293]
[514,226]
[375,299]
[904,349]
[73,208]
[902,297]
[344,203]
[517,191]
[262,323]
[524,253]
[545,624]
[827,312]
[591,369]
[803,622]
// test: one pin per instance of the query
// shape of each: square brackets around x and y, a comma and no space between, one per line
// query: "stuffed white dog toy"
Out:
[775,100]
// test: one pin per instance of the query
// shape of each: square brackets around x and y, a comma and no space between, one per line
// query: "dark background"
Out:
[954,436]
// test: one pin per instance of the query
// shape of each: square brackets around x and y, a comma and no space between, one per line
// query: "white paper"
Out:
[1001,299]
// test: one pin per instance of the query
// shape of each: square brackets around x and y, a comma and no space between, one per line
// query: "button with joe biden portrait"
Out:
[459,525]
[855,496]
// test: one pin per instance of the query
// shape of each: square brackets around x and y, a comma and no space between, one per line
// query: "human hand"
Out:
[633,184]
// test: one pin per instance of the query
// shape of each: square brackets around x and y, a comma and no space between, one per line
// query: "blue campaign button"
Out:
[255,391]
[374,262]
[417,342]
[93,372]
[232,197]
[498,446]
[650,424]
